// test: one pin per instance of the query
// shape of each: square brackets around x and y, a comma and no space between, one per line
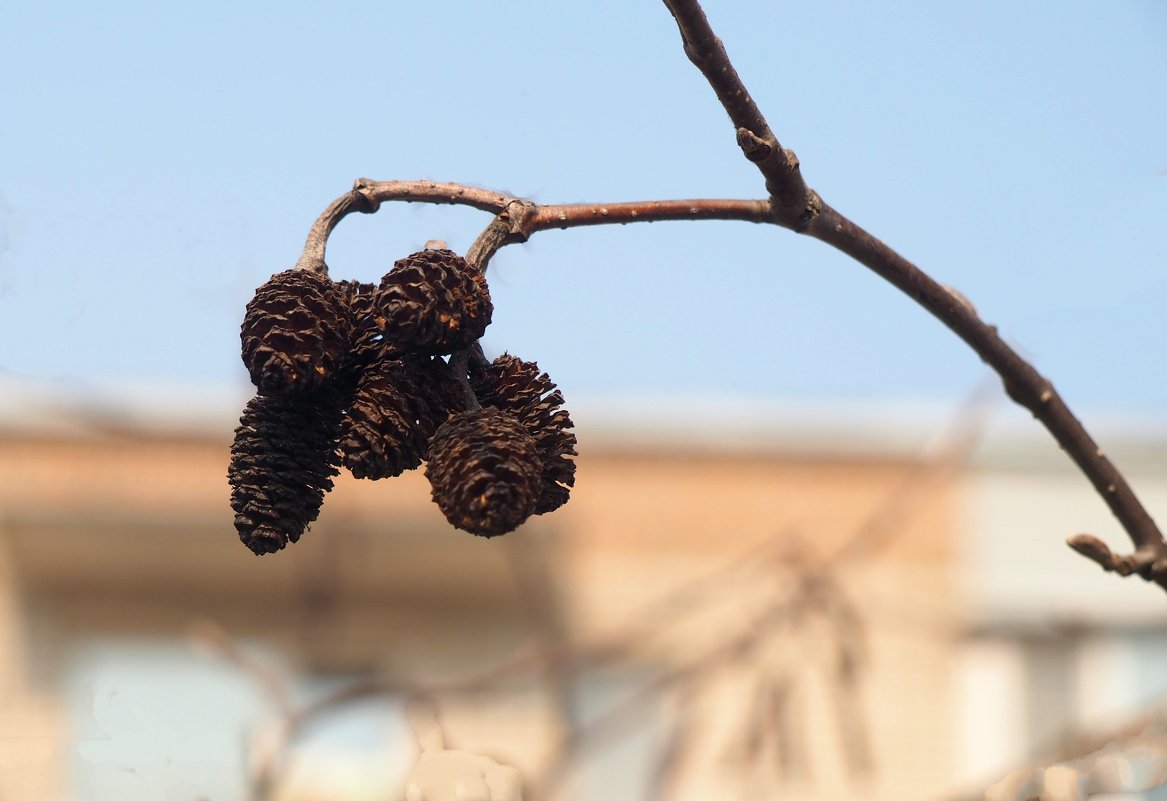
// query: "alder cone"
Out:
[521,389]
[366,342]
[282,463]
[433,302]
[296,333]
[398,405]
[485,472]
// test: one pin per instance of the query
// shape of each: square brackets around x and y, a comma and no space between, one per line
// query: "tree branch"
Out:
[1023,383]
[573,215]
[794,203]
[312,257]
[799,208]
[515,219]
[512,224]
[366,197]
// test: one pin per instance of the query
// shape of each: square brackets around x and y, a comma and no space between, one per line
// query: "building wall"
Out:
[1057,654]
[118,538]
[30,714]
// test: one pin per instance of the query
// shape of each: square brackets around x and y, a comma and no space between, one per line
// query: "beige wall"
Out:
[30,717]
[110,534]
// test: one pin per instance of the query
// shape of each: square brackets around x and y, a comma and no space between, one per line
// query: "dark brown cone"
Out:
[485,472]
[398,405]
[296,333]
[518,387]
[367,342]
[433,303]
[282,463]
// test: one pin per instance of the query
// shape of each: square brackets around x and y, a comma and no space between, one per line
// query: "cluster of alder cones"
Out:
[351,374]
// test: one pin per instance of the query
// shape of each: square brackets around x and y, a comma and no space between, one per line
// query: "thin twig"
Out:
[268,742]
[614,722]
[850,630]
[271,752]
[923,479]
[535,583]
[670,763]
[212,639]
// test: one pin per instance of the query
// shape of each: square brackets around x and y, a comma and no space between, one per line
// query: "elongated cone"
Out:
[398,405]
[296,333]
[520,388]
[485,472]
[282,463]
[433,303]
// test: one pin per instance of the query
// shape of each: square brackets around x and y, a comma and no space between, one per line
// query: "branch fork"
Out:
[1148,561]
[791,204]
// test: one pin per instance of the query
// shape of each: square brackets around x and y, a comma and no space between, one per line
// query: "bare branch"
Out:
[794,203]
[795,206]
[312,257]
[215,642]
[927,474]
[534,580]
[377,192]
[1023,382]
[513,224]
[516,219]
[614,722]
[572,215]
[366,197]
[670,763]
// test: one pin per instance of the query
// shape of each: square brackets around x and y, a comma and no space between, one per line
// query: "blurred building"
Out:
[733,605]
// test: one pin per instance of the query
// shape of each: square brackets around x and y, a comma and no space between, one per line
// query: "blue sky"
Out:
[160,161]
